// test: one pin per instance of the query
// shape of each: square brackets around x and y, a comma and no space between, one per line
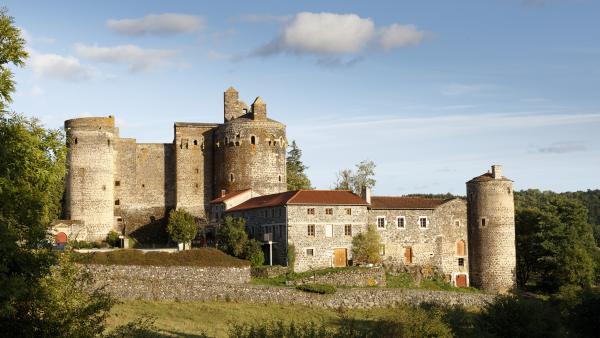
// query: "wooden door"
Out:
[461,281]
[339,258]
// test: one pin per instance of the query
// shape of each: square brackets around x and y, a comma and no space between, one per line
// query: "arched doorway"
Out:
[60,238]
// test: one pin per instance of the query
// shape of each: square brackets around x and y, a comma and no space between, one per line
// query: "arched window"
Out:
[231,178]
[460,248]
[195,142]
[76,140]
[108,142]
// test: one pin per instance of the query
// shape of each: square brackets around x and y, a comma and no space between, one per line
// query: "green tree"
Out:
[347,179]
[232,236]
[182,226]
[254,253]
[366,245]
[555,243]
[12,50]
[296,176]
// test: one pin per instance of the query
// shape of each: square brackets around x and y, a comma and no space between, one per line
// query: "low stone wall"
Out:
[269,271]
[349,277]
[135,276]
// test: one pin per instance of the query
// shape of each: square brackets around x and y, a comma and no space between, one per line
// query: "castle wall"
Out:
[434,245]
[194,167]
[492,253]
[89,182]
[144,188]
[243,165]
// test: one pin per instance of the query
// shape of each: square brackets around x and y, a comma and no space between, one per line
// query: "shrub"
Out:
[280,329]
[182,226]
[323,289]
[365,246]
[253,252]
[197,257]
[113,239]
[232,236]
[291,256]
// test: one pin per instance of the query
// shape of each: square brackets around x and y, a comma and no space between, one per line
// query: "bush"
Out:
[197,257]
[182,226]
[291,256]
[86,245]
[113,239]
[280,329]
[254,253]
[322,289]
[232,236]
[365,246]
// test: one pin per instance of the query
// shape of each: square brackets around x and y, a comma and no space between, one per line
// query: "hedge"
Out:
[322,289]
[204,257]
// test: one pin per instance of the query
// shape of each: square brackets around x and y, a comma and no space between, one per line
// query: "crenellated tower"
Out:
[491,231]
[249,148]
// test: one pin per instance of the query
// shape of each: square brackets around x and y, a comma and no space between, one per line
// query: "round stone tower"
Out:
[250,149]
[491,231]
[89,186]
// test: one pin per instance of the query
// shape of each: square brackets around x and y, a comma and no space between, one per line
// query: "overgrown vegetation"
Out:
[406,281]
[196,257]
[233,239]
[293,276]
[366,246]
[322,289]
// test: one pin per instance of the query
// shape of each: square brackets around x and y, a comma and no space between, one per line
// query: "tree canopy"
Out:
[12,51]
[233,239]
[295,170]
[366,246]
[182,226]
[346,179]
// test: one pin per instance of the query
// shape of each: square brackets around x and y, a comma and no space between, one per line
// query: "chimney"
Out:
[259,109]
[365,193]
[497,171]
[231,109]
[223,192]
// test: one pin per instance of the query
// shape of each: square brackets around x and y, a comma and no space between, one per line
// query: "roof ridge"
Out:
[404,196]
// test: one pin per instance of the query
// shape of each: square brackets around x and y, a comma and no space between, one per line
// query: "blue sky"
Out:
[432,91]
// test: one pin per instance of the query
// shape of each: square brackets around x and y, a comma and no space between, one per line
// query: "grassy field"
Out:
[188,319]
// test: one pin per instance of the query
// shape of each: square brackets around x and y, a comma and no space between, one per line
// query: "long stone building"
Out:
[238,168]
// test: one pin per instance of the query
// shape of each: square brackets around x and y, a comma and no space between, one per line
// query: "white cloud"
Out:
[137,58]
[461,89]
[563,148]
[395,36]
[260,18]
[158,24]
[60,67]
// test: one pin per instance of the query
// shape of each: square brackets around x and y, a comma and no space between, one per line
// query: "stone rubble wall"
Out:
[361,277]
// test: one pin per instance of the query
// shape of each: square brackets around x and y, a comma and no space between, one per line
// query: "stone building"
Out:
[321,223]
[115,183]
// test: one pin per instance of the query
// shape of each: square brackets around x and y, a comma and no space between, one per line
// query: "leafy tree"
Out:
[182,226]
[12,50]
[232,236]
[296,176]
[554,243]
[366,245]
[346,179]
[254,253]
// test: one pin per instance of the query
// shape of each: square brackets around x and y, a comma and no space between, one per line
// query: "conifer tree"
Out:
[296,177]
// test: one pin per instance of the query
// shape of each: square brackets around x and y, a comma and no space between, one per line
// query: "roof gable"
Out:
[302,197]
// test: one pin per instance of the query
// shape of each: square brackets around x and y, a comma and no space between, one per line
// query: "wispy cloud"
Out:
[135,57]
[337,34]
[261,18]
[157,24]
[54,66]
[563,148]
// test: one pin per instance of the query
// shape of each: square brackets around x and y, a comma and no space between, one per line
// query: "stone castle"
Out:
[238,168]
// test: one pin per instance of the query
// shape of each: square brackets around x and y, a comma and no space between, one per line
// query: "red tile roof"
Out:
[402,202]
[228,196]
[308,197]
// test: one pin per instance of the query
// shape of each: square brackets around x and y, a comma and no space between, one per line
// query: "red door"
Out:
[461,281]
[60,238]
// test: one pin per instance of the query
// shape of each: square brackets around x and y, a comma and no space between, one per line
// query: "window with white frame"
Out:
[423,222]
[380,222]
[401,222]
[328,230]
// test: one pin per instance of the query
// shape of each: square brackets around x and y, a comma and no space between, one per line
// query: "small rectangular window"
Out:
[348,211]
[483,221]
[329,211]
[311,229]
[310,211]
[461,262]
[457,223]
[401,222]
[423,222]
[348,230]
[117,202]
[328,230]
[381,249]
[117,183]
[310,252]
[381,222]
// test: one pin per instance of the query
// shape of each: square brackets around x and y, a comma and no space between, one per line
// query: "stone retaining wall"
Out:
[350,277]
[140,277]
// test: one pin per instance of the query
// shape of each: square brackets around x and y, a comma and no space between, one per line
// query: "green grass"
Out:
[186,319]
[205,257]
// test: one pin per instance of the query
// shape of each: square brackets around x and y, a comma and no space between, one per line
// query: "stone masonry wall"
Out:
[360,277]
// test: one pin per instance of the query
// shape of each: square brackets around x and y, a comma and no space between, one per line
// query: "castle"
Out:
[238,168]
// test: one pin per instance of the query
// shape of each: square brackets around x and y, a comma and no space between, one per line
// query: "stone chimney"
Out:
[259,109]
[365,193]
[223,192]
[497,171]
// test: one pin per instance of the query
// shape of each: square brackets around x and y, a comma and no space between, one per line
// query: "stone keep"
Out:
[491,231]
[115,183]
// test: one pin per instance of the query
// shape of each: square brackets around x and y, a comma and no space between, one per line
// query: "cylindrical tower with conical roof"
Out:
[90,179]
[491,231]
[250,149]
